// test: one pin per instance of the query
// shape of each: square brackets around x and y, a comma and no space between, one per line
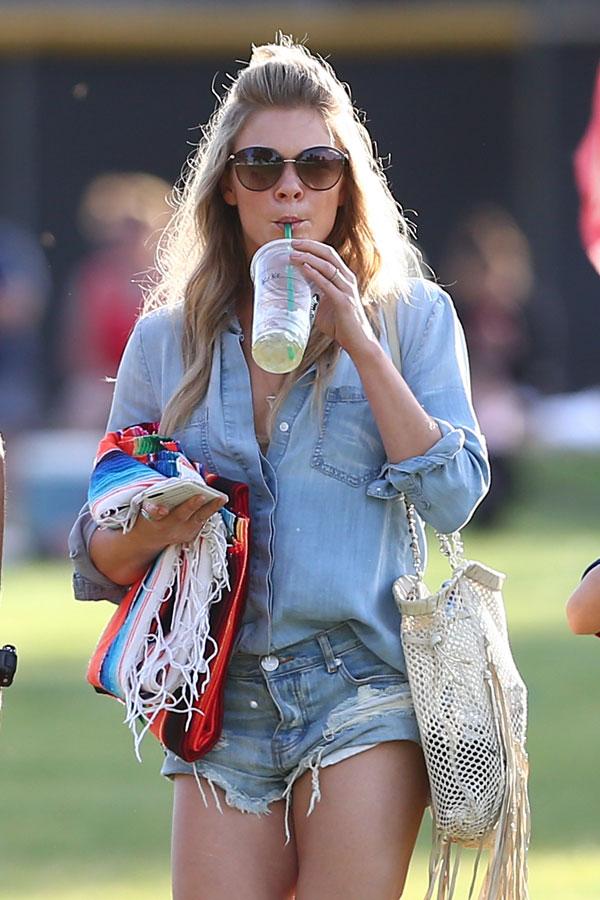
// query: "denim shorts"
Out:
[309,705]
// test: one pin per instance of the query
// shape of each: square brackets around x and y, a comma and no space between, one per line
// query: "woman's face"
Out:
[263,213]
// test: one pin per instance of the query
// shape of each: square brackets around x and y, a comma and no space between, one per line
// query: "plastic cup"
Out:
[282,308]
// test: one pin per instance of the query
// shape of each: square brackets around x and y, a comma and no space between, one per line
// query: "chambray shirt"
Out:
[329,532]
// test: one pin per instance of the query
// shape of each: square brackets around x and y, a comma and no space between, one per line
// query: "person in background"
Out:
[8,654]
[2,502]
[24,289]
[583,606]
[488,265]
[586,161]
[121,214]
[319,728]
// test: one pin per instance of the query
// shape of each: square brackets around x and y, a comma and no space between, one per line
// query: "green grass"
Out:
[80,819]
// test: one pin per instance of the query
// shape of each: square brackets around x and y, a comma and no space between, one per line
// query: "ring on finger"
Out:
[335,274]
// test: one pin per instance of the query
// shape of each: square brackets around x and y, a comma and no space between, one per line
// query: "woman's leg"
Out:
[217,856]
[357,843]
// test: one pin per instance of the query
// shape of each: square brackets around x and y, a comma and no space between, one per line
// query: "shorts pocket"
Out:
[361,666]
[349,447]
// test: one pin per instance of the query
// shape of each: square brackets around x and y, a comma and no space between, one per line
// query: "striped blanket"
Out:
[159,650]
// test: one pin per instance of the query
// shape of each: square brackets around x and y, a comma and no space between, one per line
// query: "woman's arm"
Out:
[107,559]
[436,453]
[405,427]
[447,478]
[123,558]
[583,606]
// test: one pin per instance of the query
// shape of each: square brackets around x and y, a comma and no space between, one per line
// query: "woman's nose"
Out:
[289,185]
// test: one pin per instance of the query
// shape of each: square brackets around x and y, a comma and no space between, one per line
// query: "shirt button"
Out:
[254,704]
[269,663]
[284,426]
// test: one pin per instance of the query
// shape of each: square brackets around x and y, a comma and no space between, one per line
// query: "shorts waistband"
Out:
[324,646]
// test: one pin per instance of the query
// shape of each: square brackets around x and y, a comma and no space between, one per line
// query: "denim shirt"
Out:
[328,525]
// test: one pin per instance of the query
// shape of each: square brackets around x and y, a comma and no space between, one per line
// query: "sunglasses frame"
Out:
[235,163]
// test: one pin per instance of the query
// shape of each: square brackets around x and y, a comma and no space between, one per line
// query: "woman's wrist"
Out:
[122,557]
[367,353]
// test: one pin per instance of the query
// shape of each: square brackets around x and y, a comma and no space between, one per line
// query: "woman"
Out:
[318,714]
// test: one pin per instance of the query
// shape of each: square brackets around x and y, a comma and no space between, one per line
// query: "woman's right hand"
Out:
[125,557]
[158,526]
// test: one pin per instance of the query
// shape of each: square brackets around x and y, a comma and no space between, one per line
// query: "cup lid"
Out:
[283,242]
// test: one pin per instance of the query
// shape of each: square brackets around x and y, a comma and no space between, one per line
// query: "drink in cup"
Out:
[282,308]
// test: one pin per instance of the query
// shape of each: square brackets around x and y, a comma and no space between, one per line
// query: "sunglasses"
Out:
[260,168]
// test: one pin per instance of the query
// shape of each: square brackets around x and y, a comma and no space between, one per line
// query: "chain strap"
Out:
[451,545]
[415,547]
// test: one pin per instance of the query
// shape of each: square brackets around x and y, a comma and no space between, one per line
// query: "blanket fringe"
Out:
[170,670]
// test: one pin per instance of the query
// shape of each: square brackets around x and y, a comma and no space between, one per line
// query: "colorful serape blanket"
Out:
[168,640]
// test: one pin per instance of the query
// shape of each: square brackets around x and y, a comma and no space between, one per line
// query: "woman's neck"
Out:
[244,311]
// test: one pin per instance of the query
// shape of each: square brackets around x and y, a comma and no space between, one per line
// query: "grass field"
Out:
[80,819]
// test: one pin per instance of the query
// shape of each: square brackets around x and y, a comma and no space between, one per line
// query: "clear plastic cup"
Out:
[282,308]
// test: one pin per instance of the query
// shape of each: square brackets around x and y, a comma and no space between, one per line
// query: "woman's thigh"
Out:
[357,843]
[220,854]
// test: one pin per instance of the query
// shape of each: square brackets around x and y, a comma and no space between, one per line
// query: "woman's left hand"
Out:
[340,315]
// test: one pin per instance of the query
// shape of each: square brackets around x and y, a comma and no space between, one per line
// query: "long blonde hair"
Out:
[200,256]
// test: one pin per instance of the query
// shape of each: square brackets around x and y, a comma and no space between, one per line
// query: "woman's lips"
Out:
[295,223]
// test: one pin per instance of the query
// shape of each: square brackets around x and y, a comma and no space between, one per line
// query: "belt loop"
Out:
[331,660]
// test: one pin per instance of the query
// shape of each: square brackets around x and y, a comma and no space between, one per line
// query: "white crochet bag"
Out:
[471,706]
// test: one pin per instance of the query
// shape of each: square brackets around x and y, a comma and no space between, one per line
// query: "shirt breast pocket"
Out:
[349,447]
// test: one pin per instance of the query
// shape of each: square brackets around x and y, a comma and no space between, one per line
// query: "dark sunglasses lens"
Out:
[320,168]
[258,168]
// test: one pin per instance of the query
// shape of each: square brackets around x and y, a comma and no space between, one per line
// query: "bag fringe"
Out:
[506,873]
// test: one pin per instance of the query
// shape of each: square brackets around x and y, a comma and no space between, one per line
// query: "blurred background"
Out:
[478,108]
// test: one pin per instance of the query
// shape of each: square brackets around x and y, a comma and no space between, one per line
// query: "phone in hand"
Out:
[178,491]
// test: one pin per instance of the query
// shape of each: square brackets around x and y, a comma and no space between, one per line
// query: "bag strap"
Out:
[451,545]
[391,330]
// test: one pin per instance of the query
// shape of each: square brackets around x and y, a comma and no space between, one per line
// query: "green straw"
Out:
[287,232]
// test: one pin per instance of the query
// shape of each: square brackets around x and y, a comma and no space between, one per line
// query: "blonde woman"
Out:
[319,730]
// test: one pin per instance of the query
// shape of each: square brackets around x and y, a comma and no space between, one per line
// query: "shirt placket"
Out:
[261,470]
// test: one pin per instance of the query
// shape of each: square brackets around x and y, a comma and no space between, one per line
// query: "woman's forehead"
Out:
[286,130]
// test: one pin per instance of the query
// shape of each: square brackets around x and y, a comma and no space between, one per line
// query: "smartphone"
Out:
[178,491]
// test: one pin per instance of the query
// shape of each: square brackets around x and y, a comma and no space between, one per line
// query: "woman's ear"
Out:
[227,190]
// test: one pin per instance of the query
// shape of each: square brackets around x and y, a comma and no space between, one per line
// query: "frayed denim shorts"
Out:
[311,704]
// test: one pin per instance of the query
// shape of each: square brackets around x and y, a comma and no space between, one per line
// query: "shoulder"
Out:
[423,310]
[155,344]
[159,328]
[591,567]
[422,298]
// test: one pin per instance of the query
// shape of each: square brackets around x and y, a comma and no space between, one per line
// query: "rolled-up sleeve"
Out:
[88,582]
[447,482]
[134,401]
